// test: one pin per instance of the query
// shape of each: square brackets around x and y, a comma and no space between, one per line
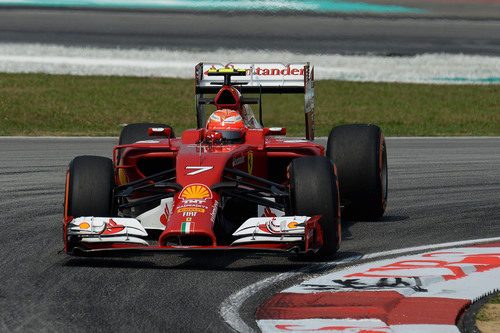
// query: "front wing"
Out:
[104,234]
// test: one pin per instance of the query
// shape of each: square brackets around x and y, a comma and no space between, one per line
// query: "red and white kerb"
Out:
[419,293]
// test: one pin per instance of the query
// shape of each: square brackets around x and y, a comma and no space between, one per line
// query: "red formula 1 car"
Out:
[231,183]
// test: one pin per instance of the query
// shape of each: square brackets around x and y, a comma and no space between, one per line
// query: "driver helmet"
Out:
[227,122]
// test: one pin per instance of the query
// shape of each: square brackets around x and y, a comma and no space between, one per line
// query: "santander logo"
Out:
[270,71]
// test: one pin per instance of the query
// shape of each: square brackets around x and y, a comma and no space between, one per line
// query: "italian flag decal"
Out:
[186,227]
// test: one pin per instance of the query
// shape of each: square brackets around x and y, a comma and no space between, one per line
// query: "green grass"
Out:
[496,299]
[482,315]
[40,104]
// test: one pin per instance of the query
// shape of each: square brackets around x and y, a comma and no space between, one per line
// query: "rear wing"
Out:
[261,78]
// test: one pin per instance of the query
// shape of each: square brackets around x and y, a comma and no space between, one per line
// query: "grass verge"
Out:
[42,104]
[488,318]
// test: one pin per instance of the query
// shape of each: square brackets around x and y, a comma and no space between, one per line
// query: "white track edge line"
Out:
[230,307]
[429,247]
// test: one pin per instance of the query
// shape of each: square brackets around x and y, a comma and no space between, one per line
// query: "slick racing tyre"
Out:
[89,187]
[313,191]
[359,153]
[138,132]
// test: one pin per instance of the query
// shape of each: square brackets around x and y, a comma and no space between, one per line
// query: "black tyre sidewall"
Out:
[138,132]
[89,187]
[313,191]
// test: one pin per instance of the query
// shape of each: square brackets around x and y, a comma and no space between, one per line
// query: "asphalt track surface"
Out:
[441,190]
[447,27]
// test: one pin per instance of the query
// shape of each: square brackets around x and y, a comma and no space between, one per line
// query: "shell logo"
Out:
[292,225]
[196,191]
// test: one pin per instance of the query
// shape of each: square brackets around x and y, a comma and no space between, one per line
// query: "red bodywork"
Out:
[260,155]
[201,161]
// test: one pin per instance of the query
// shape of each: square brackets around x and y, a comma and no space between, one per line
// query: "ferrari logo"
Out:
[250,162]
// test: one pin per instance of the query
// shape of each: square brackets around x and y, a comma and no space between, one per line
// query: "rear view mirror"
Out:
[275,131]
[160,131]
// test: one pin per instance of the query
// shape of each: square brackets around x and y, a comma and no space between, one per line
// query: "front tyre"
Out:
[314,191]
[89,187]
[360,155]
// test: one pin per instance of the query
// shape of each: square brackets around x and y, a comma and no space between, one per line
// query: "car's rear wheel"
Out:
[314,191]
[360,155]
[89,187]
[140,131]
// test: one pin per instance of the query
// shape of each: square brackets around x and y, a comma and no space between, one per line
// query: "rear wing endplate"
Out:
[265,78]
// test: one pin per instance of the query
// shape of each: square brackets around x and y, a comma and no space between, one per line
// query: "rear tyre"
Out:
[89,187]
[314,191]
[138,132]
[360,155]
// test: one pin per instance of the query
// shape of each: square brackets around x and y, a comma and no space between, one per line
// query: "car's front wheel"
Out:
[89,187]
[314,191]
